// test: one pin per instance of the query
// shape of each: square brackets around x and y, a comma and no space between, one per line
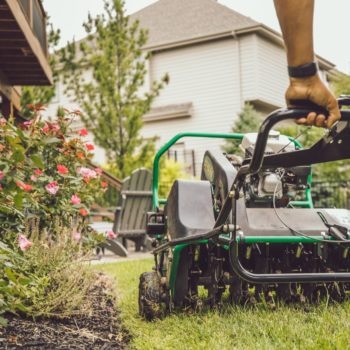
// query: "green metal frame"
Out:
[234,136]
[248,240]
[165,148]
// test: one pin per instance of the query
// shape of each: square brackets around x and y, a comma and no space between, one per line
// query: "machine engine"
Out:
[279,184]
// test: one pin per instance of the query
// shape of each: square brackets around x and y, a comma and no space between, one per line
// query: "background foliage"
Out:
[112,98]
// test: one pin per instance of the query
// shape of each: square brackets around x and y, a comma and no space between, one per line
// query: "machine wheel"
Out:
[153,299]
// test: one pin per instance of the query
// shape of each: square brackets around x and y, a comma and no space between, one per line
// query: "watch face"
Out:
[208,169]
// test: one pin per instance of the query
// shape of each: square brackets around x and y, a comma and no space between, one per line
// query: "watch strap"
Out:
[303,71]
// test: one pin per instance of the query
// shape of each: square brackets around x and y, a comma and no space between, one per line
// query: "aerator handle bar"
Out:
[301,109]
[271,120]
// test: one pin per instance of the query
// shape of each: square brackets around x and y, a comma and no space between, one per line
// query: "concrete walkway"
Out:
[112,258]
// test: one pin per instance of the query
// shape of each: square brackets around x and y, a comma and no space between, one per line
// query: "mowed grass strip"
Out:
[286,327]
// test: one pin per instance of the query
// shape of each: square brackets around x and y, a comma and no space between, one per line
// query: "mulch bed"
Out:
[100,329]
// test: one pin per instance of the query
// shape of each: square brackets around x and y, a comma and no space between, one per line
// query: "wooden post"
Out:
[31,13]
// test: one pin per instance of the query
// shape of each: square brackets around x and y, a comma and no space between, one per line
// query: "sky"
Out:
[331,32]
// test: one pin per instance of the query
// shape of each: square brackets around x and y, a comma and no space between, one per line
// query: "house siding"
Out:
[249,66]
[272,77]
[207,75]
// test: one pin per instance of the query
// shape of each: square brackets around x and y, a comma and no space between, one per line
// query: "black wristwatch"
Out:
[303,71]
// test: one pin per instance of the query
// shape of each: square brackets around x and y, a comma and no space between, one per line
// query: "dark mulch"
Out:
[101,328]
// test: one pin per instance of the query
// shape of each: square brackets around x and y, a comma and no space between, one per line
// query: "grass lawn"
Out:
[322,327]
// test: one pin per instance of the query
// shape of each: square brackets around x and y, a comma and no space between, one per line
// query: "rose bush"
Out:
[46,189]
[44,172]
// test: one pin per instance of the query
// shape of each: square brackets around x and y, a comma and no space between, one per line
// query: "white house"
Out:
[217,60]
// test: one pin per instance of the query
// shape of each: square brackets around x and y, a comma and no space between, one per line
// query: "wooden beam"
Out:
[24,75]
[26,65]
[13,45]
[30,37]
[10,92]
[16,36]
[29,82]
[8,25]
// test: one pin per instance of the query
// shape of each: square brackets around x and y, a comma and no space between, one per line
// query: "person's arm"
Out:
[296,21]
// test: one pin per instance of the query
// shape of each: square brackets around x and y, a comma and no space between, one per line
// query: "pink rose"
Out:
[23,186]
[83,212]
[87,173]
[111,235]
[90,147]
[77,236]
[38,172]
[98,171]
[33,178]
[62,169]
[24,243]
[3,121]
[45,129]
[27,124]
[52,187]
[75,199]
[55,127]
[83,132]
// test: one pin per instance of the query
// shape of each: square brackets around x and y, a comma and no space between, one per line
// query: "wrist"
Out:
[306,80]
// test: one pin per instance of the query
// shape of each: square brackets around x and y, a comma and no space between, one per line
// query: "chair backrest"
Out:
[125,187]
[137,201]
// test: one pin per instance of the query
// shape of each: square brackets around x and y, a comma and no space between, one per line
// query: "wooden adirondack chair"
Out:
[130,218]
[130,214]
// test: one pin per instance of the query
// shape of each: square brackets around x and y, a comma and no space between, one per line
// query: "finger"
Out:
[320,119]
[301,121]
[310,119]
[334,113]
[331,120]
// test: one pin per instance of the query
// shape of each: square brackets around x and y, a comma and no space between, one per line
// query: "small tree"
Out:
[111,100]
[248,120]
[341,84]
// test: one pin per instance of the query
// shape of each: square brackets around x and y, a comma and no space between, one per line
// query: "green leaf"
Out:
[3,283]
[10,275]
[24,280]
[37,160]
[3,321]
[21,307]
[18,200]
[51,140]
[18,156]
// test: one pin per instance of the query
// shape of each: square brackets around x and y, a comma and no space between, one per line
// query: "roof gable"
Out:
[171,21]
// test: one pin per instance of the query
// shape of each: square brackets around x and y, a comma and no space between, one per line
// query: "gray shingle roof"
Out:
[172,21]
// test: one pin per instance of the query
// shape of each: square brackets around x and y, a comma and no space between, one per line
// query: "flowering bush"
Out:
[44,172]
[46,188]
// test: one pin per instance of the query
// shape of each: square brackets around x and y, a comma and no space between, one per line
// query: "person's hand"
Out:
[314,90]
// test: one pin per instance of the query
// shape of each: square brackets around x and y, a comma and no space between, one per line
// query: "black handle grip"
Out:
[263,134]
[306,104]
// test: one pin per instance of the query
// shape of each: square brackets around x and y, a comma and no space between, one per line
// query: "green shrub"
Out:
[46,188]
[46,278]
[170,170]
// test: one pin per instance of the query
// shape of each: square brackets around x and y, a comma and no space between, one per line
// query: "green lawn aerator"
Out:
[249,226]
